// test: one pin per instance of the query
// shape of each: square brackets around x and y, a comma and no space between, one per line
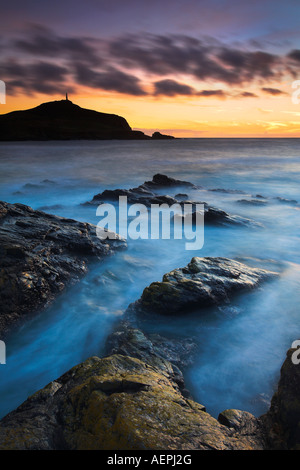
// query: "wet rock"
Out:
[168,354]
[202,283]
[128,340]
[134,196]
[39,255]
[181,196]
[118,403]
[146,194]
[215,217]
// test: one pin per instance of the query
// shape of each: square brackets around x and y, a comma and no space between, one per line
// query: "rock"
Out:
[39,255]
[164,181]
[128,340]
[286,201]
[134,196]
[283,419]
[227,191]
[215,217]
[181,196]
[252,202]
[146,194]
[202,283]
[118,403]
[159,136]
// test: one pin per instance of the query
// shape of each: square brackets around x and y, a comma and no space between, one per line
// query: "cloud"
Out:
[214,93]
[273,91]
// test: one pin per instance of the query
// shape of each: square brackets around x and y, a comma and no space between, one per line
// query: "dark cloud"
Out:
[172,88]
[273,91]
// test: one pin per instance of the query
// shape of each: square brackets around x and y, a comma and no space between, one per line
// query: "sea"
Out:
[240,345]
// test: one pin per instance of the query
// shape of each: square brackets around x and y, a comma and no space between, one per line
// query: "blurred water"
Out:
[241,347]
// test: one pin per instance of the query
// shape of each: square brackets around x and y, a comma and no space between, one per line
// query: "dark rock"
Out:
[286,201]
[119,403]
[227,191]
[163,181]
[134,196]
[39,255]
[252,202]
[154,349]
[145,193]
[283,419]
[215,217]
[202,283]
[159,136]
[181,196]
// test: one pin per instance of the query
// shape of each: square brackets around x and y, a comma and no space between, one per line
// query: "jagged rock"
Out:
[131,341]
[283,419]
[119,403]
[215,217]
[39,255]
[181,196]
[203,282]
[146,194]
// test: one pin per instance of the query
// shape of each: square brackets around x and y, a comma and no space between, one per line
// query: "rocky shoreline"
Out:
[135,397]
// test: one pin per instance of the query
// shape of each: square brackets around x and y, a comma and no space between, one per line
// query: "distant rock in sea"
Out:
[64,120]
[159,136]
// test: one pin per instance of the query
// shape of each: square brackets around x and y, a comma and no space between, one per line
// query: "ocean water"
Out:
[241,345]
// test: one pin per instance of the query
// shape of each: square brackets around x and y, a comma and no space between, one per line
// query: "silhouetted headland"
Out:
[64,120]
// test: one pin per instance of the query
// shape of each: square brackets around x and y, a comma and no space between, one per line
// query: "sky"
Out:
[192,68]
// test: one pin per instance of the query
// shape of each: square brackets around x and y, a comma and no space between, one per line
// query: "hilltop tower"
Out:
[67,99]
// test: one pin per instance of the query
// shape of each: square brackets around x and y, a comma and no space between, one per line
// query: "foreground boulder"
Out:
[145,193]
[202,283]
[120,403]
[39,255]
